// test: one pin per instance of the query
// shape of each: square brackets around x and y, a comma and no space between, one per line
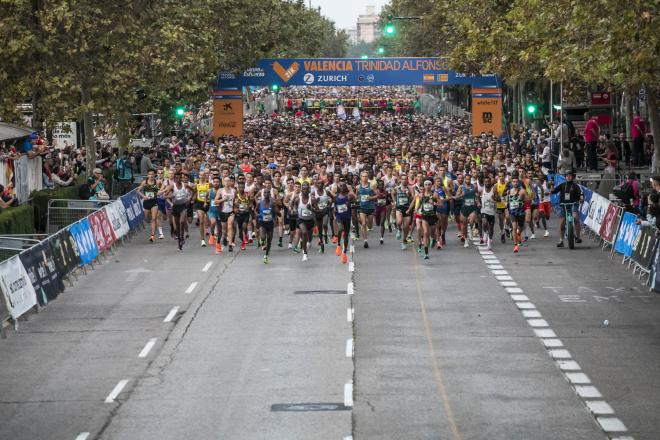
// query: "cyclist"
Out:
[569,192]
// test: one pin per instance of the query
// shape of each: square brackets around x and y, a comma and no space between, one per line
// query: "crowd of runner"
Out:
[296,182]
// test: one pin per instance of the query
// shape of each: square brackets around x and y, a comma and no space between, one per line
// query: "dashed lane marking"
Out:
[207,266]
[611,424]
[349,314]
[82,436]
[147,348]
[116,390]
[348,394]
[351,266]
[599,407]
[349,289]
[171,314]
[349,348]
[191,287]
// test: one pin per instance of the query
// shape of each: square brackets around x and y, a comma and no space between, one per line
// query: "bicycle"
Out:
[569,224]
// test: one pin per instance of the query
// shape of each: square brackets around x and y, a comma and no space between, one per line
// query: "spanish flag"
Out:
[429,77]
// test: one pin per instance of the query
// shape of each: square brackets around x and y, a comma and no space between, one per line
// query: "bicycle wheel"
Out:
[570,233]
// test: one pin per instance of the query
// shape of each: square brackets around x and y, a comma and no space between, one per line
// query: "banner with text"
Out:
[101,229]
[84,239]
[40,266]
[486,111]
[227,113]
[352,72]
[65,252]
[628,230]
[16,287]
[644,248]
[117,217]
[134,209]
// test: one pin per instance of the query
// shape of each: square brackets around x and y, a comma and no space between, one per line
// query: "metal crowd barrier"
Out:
[63,212]
[28,241]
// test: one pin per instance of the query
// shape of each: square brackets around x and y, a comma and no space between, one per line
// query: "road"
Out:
[160,344]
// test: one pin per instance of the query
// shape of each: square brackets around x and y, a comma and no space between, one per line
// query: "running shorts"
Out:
[147,204]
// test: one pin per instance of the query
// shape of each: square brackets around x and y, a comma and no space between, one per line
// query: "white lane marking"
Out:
[514,290]
[588,392]
[538,322]
[348,394]
[492,261]
[508,283]
[525,305]
[116,390]
[191,287]
[503,278]
[560,354]
[147,348]
[531,313]
[349,348]
[351,266]
[207,266]
[611,424]
[352,249]
[544,333]
[627,437]
[349,314]
[552,343]
[599,407]
[578,378]
[495,266]
[350,437]
[349,289]
[499,272]
[482,252]
[569,365]
[519,297]
[489,257]
[82,436]
[172,314]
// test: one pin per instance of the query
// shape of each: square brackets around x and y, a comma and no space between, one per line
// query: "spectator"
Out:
[61,176]
[623,148]
[610,159]
[638,133]
[591,140]
[7,197]
[566,162]
[97,186]
[124,172]
[146,163]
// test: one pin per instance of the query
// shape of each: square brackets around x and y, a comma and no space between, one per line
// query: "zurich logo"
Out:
[308,78]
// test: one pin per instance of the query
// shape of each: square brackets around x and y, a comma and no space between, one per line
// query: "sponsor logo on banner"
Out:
[84,239]
[117,216]
[101,229]
[40,265]
[308,78]
[134,209]
[627,235]
[65,252]
[443,77]
[610,223]
[286,74]
[644,248]
[597,210]
[586,203]
[429,78]
[16,287]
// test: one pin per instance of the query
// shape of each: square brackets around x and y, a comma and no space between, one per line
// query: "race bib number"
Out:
[382,202]
[242,207]
[267,216]
[342,208]
[364,198]
[214,203]
[469,202]
[403,200]
[202,194]
[567,197]
[428,207]
[306,212]
[229,204]
[149,194]
[323,205]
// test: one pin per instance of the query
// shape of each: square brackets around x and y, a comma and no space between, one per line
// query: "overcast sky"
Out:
[345,12]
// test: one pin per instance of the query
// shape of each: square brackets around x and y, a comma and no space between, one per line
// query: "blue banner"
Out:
[84,239]
[134,210]
[352,72]
[584,207]
[627,235]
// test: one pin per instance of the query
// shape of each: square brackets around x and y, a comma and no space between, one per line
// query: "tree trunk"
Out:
[652,108]
[123,132]
[90,142]
[628,111]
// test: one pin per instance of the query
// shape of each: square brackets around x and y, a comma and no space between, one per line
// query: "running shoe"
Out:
[212,240]
[322,249]
[532,237]
[290,246]
[578,240]
[203,243]
[296,249]
[279,242]
[419,248]
[438,245]
[338,251]
[516,248]
[151,239]
[467,244]
[366,245]
[304,257]
[242,245]
[546,234]
[526,238]
[398,234]
[344,258]
[218,248]
[161,236]
[265,259]
[426,256]
[381,240]
[403,246]
[231,247]
[560,244]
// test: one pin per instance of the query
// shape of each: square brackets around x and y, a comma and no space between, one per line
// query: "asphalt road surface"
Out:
[160,344]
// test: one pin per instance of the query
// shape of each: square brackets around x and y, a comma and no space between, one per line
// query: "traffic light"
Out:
[180,111]
[274,88]
[390,29]
[381,50]
[531,109]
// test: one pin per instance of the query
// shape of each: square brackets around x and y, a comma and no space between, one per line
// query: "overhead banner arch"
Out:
[354,72]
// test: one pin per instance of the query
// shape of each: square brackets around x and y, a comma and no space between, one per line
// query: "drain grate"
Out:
[319,292]
[302,407]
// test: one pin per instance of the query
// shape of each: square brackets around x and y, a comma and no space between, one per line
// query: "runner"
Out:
[516,204]
[402,196]
[202,204]
[267,211]
[342,202]
[488,203]
[366,208]
[426,205]
[226,197]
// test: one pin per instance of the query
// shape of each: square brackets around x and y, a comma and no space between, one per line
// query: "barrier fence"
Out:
[36,275]
[606,222]
[63,212]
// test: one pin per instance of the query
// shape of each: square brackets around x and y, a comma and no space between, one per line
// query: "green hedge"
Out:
[40,202]
[17,220]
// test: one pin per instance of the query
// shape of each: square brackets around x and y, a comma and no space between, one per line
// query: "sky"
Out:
[345,12]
